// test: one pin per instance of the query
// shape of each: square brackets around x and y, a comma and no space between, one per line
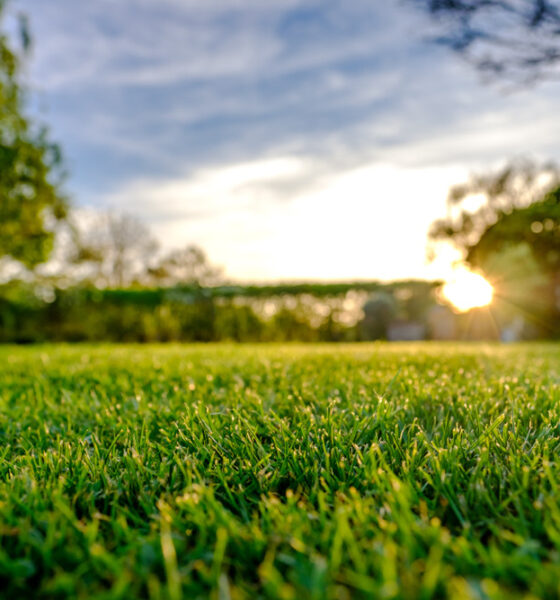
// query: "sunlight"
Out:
[240,213]
[466,290]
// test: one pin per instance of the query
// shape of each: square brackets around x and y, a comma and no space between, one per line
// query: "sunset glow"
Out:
[466,290]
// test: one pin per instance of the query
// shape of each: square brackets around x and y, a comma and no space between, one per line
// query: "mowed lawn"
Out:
[222,471]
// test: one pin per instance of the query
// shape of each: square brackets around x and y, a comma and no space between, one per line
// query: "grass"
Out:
[293,472]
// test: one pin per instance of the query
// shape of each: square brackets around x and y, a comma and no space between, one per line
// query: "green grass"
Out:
[364,471]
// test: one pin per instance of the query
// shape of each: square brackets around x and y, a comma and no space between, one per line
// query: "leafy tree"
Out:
[537,226]
[111,250]
[495,196]
[534,230]
[512,39]
[379,310]
[185,266]
[30,174]
[513,237]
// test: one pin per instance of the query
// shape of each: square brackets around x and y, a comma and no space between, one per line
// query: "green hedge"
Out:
[300,312]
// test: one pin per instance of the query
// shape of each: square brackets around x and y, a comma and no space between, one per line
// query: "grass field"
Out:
[364,471]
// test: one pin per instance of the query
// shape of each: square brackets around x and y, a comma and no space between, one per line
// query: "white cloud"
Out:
[367,222]
[286,145]
[207,191]
[155,43]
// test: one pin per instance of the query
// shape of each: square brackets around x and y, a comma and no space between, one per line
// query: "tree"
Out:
[513,237]
[30,170]
[185,266]
[495,195]
[111,250]
[379,310]
[537,226]
[513,39]
[534,230]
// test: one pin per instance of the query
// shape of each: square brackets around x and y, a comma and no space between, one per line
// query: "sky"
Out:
[290,139]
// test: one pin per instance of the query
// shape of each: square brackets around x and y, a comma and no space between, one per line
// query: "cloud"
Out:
[364,222]
[207,193]
[148,43]
[209,118]
[169,85]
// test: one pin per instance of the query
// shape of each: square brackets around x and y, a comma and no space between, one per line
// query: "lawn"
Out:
[294,472]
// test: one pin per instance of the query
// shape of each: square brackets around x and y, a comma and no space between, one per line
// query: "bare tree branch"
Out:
[516,40]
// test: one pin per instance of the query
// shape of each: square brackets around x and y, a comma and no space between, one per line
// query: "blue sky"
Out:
[289,138]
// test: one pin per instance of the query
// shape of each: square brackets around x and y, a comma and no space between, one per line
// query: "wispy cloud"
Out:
[159,104]
[348,223]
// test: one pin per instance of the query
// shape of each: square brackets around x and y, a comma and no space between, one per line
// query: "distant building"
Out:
[513,332]
[479,324]
[406,331]
[442,323]
[379,312]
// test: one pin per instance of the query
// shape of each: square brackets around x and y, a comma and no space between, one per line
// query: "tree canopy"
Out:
[513,237]
[107,249]
[537,225]
[511,39]
[30,169]
[185,266]
[502,198]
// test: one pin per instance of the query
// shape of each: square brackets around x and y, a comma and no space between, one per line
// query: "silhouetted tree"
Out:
[30,175]
[379,310]
[537,225]
[513,237]
[112,250]
[185,266]
[513,39]
[497,194]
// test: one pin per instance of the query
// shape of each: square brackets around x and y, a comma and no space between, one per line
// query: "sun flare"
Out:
[466,290]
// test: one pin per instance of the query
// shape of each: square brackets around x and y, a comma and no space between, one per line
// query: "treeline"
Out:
[303,312]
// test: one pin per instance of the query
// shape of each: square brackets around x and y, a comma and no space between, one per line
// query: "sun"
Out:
[466,290]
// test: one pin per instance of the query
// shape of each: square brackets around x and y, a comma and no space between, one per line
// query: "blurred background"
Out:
[282,170]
